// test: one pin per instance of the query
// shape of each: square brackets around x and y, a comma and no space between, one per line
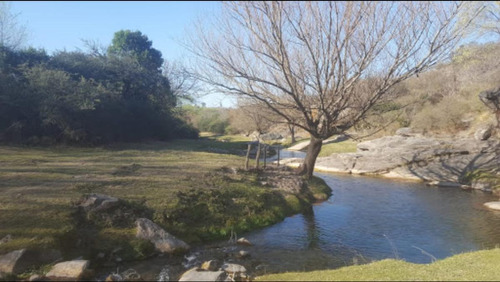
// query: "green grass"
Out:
[473,266]
[39,186]
[347,146]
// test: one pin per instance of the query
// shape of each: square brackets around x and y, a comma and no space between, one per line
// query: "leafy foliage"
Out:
[215,120]
[137,45]
[88,98]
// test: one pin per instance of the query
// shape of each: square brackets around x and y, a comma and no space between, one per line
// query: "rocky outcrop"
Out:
[69,270]
[441,161]
[163,241]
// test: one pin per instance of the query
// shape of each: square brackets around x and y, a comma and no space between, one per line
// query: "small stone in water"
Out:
[243,254]
[244,241]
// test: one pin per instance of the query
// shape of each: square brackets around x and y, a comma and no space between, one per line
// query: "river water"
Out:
[368,219]
[371,218]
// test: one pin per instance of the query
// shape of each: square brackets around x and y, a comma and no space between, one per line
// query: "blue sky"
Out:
[54,25]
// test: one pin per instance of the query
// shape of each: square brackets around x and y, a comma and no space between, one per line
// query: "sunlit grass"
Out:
[474,266]
[38,185]
[347,146]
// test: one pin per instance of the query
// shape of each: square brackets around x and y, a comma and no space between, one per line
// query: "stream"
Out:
[366,219]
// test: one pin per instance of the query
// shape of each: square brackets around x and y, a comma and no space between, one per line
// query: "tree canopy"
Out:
[138,46]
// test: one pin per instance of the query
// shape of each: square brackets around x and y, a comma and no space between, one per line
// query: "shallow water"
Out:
[371,219]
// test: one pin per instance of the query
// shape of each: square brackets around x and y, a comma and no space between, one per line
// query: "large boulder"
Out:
[69,270]
[235,271]
[163,241]
[12,262]
[194,274]
[21,260]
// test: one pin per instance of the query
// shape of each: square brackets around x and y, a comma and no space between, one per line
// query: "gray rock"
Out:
[271,136]
[35,277]
[243,254]
[13,263]
[479,185]
[493,205]
[244,241]
[74,269]
[21,260]
[163,241]
[98,202]
[483,133]
[416,158]
[233,268]
[199,275]
[491,98]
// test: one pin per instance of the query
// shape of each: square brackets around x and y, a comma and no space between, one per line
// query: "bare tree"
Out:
[487,21]
[325,62]
[12,34]
[183,85]
[250,116]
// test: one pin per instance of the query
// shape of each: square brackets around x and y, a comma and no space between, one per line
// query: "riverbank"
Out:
[188,187]
[473,266]
[447,162]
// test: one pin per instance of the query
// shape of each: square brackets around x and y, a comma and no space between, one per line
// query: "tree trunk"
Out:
[313,150]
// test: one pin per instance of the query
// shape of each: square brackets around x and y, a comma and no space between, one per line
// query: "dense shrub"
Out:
[86,98]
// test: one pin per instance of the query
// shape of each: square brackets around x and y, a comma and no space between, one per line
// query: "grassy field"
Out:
[38,185]
[187,186]
[474,266]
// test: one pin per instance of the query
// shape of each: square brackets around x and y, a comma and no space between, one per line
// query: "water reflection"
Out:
[312,232]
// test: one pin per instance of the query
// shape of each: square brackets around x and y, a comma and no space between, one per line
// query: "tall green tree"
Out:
[138,46]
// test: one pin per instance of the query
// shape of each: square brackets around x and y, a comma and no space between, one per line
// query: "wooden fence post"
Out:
[257,157]
[265,155]
[278,155]
[247,158]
